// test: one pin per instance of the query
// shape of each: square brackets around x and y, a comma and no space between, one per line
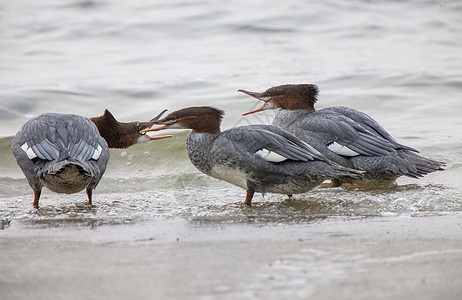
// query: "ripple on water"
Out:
[216,203]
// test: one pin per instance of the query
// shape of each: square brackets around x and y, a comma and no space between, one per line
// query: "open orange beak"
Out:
[153,122]
[257,96]
[153,138]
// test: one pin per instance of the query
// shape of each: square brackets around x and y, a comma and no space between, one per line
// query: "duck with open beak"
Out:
[257,158]
[347,136]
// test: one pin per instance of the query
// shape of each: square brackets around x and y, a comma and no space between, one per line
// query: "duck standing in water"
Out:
[257,158]
[68,153]
[344,135]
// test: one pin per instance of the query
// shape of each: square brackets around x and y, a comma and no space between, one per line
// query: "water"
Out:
[398,61]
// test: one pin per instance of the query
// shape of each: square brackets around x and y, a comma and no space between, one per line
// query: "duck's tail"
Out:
[87,168]
[419,165]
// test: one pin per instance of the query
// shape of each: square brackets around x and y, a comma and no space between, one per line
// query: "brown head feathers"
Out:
[198,118]
[117,134]
[293,96]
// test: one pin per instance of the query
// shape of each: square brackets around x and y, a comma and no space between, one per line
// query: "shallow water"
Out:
[399,62]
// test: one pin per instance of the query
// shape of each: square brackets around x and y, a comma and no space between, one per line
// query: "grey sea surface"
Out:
[158,228]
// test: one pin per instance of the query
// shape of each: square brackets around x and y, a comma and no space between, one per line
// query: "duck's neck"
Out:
[284,117]
[199,145]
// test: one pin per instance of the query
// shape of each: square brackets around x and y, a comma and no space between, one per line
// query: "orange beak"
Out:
[153,138]
[262,108]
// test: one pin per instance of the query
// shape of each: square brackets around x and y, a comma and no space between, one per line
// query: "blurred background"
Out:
[397,60]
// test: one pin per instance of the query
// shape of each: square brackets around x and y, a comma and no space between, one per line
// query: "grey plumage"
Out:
[232,156]
[368,123]
[380,154]
[62,152]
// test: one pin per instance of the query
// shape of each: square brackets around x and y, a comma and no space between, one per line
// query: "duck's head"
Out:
[288,96]
[201,119]
[122,135]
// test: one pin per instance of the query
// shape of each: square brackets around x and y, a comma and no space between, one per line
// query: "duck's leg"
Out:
[37,198]
[89,194]
[248,197]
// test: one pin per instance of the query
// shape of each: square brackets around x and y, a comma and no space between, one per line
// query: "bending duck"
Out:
[68,153]
[344,135]
[257,158]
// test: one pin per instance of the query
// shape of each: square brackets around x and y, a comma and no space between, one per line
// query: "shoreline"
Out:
[398,257]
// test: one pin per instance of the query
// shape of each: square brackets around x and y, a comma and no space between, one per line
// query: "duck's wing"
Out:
[368,123]
[271,143]
[51,136]
[343,135]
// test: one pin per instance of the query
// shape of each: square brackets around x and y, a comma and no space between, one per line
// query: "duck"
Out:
[257,158]
[67,153]
[344,135]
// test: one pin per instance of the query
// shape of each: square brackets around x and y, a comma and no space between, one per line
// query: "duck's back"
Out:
[50,143]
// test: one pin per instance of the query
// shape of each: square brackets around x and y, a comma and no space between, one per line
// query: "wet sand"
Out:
[396,257]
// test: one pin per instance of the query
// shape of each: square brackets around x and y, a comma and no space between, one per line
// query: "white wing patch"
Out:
[97,153]
[270,155]
[341,150]
[29,152]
